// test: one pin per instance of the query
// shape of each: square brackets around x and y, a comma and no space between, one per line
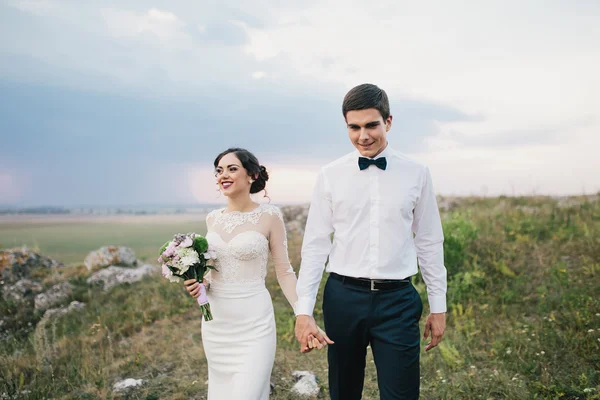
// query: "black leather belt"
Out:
[371,284]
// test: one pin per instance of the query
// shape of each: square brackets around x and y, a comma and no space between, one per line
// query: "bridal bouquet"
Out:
[188,257]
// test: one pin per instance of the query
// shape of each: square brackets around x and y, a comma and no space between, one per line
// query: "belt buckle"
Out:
[373,288]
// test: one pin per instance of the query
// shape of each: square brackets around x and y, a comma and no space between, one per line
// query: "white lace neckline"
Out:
[231,220]
[256,209]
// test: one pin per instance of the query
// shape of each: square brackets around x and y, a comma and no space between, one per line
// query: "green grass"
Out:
[523,320]
[69,242]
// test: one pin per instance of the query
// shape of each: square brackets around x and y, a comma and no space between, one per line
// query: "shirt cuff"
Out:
[305,307]
[437,304]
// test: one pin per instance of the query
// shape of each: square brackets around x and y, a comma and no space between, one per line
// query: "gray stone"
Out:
[59,312]
[53,296]
[20,290]
[110,255]
[127,384]
[306,384]
[113,276]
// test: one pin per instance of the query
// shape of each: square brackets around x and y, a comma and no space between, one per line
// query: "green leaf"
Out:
[164,247]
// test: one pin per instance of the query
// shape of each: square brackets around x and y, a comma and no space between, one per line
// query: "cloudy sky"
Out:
[128,102]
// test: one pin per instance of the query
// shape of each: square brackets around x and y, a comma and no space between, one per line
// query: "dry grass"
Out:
[523,322]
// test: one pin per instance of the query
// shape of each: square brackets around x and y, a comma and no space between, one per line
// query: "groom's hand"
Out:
[436,325]
[307,329]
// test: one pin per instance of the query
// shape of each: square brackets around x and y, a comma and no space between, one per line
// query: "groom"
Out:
[381,209]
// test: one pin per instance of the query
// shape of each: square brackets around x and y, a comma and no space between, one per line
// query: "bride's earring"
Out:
[251,181]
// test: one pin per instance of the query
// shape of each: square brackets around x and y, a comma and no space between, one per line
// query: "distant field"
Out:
[69,239]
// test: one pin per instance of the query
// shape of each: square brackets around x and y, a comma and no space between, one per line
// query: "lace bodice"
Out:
[242,241]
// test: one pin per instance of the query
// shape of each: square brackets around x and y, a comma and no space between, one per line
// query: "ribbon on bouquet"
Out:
[203,298]
[203,303]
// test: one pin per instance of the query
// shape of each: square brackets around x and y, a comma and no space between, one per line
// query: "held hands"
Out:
[436,325]
[193,287]
[309,334]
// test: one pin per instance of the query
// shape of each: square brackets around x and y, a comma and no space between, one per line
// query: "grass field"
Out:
[69,239]
[523,320]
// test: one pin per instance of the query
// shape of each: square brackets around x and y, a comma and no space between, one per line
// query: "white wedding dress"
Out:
[240,341]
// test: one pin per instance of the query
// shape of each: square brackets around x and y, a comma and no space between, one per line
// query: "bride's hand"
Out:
[314,343]
[193,287]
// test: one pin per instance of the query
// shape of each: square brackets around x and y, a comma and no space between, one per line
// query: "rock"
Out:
[59,312]
[306,384]
[110,255]
[113,276]
[295,218]
[54,296]
[295,228]
[20,290]
[127,384]
[17,264]
[44,347]
[447,204]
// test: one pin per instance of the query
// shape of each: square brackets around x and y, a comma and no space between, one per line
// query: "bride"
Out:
[240,341]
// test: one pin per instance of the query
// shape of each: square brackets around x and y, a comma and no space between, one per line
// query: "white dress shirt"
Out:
[382,222]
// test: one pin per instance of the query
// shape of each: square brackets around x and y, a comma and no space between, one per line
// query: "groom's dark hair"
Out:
[366,96]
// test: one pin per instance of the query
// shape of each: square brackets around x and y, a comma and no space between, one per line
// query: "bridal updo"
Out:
[251,165]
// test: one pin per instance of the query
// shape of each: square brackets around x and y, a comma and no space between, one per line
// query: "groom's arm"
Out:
[315,249]
[429,243]
[316,246]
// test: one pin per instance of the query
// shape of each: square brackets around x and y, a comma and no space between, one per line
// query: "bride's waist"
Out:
[218,288]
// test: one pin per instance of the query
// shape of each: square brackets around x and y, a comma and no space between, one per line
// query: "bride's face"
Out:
[231,175]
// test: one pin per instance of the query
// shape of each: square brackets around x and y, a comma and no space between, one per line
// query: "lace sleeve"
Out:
[278,245]
[209,220]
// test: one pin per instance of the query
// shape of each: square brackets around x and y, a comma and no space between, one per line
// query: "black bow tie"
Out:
[363,163]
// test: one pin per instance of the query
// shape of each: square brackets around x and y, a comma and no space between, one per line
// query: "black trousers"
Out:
[388,321]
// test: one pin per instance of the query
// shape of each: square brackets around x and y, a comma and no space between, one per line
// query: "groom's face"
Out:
[367,131]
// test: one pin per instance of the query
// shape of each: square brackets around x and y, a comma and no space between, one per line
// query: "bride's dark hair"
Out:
[251,165]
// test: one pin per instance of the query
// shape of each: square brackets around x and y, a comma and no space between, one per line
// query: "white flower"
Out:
[166,272]
[590,330]
[187,257]
[508,351]
[210,255]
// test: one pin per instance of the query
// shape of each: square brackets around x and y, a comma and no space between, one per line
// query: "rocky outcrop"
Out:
[110,255]
[295,218]
[54,296]
[19,263]
[22,289]
[113,276]
[59,312]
